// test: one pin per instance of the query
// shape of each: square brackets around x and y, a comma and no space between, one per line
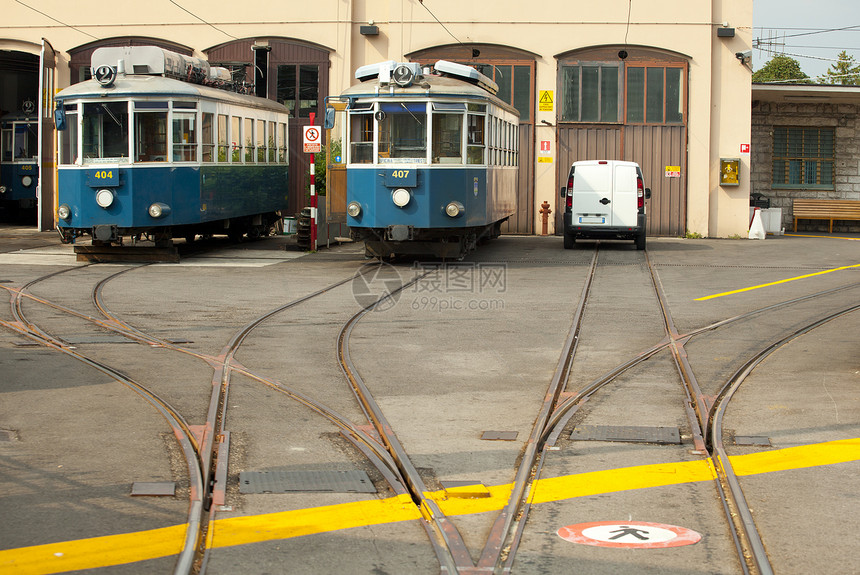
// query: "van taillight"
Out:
[570,192]
[640,193]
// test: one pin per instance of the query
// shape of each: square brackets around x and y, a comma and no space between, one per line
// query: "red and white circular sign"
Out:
[632,534]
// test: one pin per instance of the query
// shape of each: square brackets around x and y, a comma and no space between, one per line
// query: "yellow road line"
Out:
[131,547]
[776,283]
[825,237]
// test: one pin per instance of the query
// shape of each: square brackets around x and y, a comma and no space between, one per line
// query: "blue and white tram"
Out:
[152,147]
[19,171]
[431,161]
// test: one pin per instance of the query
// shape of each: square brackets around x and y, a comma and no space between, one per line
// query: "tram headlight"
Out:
[2,189]
[159,210]
[26,181]
[104,197]
[454,209]
[64,212]
[353,209]
[401,197]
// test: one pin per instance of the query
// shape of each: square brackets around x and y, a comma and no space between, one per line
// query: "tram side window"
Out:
[447,138]
[207,137]
[106,130]
[361,138]
[184,136]
[403,131]
[273,151]
[236,137]
[69,137]
[6,144]
[283,145]
[223,140]
[261,141]
[249,140]
[475,142]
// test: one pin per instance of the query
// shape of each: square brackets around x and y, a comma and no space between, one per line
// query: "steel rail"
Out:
[447,542]
[516,508]
[752,551]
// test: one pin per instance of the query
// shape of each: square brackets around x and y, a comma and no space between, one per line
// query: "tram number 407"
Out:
[401,178]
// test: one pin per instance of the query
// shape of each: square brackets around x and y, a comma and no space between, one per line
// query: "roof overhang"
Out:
[806,93]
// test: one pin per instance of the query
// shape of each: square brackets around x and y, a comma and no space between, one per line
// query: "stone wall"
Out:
[845,118]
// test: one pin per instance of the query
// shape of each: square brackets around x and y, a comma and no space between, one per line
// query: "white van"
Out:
[605,199]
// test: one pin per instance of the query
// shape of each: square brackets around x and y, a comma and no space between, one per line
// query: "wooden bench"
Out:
[825,210]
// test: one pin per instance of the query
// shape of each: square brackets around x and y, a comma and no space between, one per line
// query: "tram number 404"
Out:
[103,178]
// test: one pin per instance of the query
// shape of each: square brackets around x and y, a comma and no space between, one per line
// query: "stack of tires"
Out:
[303,230]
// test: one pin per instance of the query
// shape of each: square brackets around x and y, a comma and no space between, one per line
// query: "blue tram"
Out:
[432,159]
[19,170]
[158,146]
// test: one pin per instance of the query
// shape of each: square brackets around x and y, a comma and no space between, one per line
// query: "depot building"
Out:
[661,83]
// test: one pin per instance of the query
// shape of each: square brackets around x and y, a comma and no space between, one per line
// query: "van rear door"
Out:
[624,202]
[592,195]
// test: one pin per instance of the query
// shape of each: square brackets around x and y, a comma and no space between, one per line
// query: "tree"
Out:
[845,71]
[781,68]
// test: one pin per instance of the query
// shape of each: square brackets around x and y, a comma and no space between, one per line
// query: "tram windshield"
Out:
[26,141]
[402,132]
[454,132]
[105,131]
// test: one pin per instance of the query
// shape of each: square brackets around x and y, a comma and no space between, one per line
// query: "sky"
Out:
[778,22]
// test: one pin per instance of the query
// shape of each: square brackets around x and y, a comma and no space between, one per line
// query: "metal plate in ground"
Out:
[752,440]
[286,481]
[8,435]
[154,488]
[628,433]
[80,339]
[500,435]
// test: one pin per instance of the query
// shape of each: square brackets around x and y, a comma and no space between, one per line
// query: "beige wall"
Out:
[719,98]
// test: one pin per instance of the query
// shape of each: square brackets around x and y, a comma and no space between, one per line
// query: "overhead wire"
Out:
[57,21]
[439,21]
[201,19]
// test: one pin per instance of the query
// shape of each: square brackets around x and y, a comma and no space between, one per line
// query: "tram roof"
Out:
[132,86]
[427,86]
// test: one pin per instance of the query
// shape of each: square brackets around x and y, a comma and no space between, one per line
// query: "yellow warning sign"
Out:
[545,102]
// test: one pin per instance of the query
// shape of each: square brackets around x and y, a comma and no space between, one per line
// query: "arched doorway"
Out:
[79,62]
[288,71]
[514,71]
[628,103]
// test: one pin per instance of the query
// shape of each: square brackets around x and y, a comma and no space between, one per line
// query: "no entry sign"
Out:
[629,534]
[312,139]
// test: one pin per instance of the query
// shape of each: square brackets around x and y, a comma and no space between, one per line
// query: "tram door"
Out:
[46,192]
[335,179]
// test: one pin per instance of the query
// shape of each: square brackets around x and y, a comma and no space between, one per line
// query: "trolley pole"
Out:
[313,198]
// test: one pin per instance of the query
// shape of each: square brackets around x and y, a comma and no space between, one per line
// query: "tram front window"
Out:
[150,131]
[105,131]
[25,141]
[6,144]
[403,132]
[361,138]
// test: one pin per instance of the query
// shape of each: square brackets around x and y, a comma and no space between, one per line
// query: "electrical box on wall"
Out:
[729,170]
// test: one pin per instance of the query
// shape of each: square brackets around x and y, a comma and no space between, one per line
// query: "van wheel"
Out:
[640,241]
[569,241]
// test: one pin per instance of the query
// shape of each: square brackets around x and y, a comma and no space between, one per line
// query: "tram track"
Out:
[387,455]
[703,414]
[203,451]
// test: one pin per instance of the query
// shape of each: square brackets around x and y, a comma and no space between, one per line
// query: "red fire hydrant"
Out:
[545,212]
